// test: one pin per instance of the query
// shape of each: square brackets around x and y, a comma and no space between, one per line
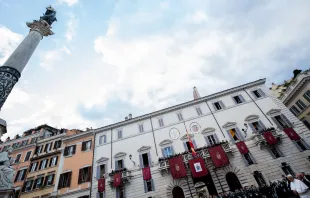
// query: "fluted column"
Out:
[11,70]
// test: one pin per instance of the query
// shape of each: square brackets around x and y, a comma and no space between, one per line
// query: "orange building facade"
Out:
[74,173]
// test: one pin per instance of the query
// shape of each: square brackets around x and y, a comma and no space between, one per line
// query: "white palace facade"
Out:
[224,118]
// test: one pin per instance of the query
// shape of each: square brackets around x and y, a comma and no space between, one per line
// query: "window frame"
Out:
[171,150]
[102,139]
[294,110]
[301,105]
[269,148]
[306,95]
[240,98]
[35,168]
[151,181]
[28,157]
[88,175]
[141,128]
[180,116]
[30,185]
[161,122]
[198,111]
[119,133]
[51,161]
[20,156]
[45,165]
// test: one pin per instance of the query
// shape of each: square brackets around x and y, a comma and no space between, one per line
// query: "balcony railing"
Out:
[164,164]
[261,141]
[126,176]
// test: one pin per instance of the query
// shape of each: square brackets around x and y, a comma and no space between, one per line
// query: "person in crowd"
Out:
[302,177]
[299,187]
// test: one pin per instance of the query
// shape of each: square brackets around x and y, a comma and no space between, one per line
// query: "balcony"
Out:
[202,152]
[259,139]
[126,176]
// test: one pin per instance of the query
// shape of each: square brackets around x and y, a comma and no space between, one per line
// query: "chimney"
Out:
[196,94]
[126,118]
[129,116]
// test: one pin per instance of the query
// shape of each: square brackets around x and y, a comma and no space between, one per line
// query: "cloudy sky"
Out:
[109,58]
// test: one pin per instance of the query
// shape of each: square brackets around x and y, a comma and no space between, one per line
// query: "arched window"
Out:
[233,181]
[177,192]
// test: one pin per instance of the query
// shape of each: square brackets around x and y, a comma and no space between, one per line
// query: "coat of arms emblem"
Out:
[177,167]
[218,155]
[242,147]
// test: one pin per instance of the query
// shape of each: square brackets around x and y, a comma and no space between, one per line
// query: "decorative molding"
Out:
[251,118]
[120,155]
[274,112]
[208,130]
[181,106]
[144,148]
[176,183]
[102,160]
[165,142]
[40,26]
[184,137]
[229,125]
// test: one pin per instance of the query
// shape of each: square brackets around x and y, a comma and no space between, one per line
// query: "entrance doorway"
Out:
[208,182]
[233,181]
[177,192]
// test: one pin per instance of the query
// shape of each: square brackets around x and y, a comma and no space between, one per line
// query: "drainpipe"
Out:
[153,136]
[91,181]
[215,119]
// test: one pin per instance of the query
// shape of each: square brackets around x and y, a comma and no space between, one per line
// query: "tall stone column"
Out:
[11,70]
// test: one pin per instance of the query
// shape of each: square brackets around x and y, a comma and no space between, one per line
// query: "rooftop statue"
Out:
[49,16]
[6,171]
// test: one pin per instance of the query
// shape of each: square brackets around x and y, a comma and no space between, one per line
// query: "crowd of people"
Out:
[288,187]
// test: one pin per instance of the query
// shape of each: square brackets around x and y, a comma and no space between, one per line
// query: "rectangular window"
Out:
[27,157]
[47,148]
[287,169]
[211,139]
[259,179]
[43,164]
[301,105]
[307,95]
[141,129]
[53,161]
[238,99]
[180,117]
[25,142]
[119,134]
[34,140]
[38,183]
[120,192]
[249,160]
[33,166]
[15,145]
[161,122]
[119,164]
[70,150]
[38,149]
[49,180]
[258,93]
[294,110]
[84,175]
[57,144]
[233,134]
[102,170]
[64,180]
[275,152]
[281,121]
[257,126]
[145,159]
[301,145]
[168,151]
[86,146]
[198,110]
[20,176]
[218,105]
[17,158]
[102,139]
[149,186]
[28,186]
[306,123]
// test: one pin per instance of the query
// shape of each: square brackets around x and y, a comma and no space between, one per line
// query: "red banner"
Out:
[198,167]
[101,185]
[177,167]
[218,156]
[270,138]
[117,179]
[146,173]
[291,133]
[243,149]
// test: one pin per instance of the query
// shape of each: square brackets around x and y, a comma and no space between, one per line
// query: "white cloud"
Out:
[68,2]
[197,17]
[51,57]
[71,27]
[8,42]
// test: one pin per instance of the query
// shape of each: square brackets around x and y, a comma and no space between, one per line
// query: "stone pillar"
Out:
[11,70]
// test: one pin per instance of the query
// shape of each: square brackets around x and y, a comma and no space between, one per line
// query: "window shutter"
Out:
[277,123]
[207,141]
[55,144]
[271,153]
[123,164]
[297,146]
[59,144]
[222,104]
[74,147]
[100,139]
[145,186]
[24,174]
[172,149]
[83,146]
[56,160]
[163,152]
[244,160]
[305,144]
[241,98]
[60,181]
[261,92]
[16,177]
[51,145]
[150,159]
[239,135]
[66,151]
[286,120]
[35,184]
[98,173]
[233,98]
[253,159]
[30,167]
[104,139]
[80,176]
[36,151]
[90,144]
[229,135]
[69,179]
[261,124]
[89,173]
[53,178]
[194,142]
[45,180]
[141,161]
[51,162]
[252,127]
[153,186]
[46,163]
[280,152]
[214,107]
[24,186]
[45,148]
[216,138]
[185,146]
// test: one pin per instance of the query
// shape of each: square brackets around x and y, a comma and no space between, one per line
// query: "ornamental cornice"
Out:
[296,90]
[77,136]
[181,106]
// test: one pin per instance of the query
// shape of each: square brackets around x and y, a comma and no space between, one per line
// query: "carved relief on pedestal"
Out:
[8,78]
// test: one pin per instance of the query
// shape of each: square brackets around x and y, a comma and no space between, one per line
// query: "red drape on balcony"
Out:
[270,138]
[101,185]
[218,156]
[146,173]
[117,179]
[198,167]
[177,167]
[291,133]
[243,149]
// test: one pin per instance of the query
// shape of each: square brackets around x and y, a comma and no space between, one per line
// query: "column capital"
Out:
[40,26]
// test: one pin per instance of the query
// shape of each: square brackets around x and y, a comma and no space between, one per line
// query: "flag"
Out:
[198,167]
[291,133]
[146,173]
[117,179]
[243,149]
[101,185]
[218,156]
[191,144]
[270,138]
[177,167]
